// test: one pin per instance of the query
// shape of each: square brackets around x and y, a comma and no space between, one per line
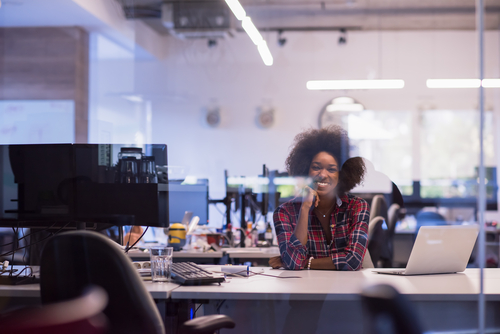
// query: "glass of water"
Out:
[161,261]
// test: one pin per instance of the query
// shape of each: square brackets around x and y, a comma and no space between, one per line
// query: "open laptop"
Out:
[439,250]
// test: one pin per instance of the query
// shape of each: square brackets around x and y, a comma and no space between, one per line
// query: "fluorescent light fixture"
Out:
[344,107]
[251,30]
[491,83]
[354,84]
[453,83]
[292,181]
[248,181]
[265,54]
[133,98]
[237,9]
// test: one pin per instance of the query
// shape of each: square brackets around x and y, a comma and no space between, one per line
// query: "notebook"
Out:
[439,250]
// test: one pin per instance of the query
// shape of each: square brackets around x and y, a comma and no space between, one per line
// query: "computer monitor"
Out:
[45,185]
[188,197]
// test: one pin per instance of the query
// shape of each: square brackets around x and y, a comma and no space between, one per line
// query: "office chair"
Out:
[376,239]
[82,315]
[378,207]
[393,217]
[71,261]
[388,312]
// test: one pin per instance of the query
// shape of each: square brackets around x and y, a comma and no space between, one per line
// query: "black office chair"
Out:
[378,208]
[376,240]
[388,312]
[72,261]
[393,215]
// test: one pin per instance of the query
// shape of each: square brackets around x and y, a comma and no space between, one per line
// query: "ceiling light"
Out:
[491,83]
[453,83]
[345,107]
[265,54]
[237,9]
[251,30]
[133,98]
[354,84]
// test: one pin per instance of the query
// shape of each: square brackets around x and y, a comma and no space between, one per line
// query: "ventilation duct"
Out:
[186,20]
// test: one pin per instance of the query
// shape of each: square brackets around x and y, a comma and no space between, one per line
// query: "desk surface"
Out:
[338,285]
[250,253]
[183,254]
[316,285]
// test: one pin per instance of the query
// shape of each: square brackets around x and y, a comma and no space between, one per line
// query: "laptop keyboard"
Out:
[188,273]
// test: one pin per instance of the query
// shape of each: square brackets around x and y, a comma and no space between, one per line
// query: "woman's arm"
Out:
[293,252]
[310,198]
[352,256]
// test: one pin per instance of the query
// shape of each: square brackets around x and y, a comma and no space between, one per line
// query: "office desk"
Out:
[326,301]
[252,252]
[317,301]
[194,255]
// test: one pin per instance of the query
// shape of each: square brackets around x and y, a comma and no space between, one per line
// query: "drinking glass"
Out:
[161,261]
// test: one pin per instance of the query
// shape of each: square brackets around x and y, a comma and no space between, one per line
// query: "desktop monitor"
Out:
[45,185]
[188,197]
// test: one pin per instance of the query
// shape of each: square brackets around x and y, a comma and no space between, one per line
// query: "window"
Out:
[449,153]
[384,138]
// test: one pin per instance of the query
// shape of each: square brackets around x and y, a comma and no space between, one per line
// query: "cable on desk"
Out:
[129,248]
[13,253]
[27,267]
[251,272]
[15,250]
[197,310]
[219,306]
[274,275]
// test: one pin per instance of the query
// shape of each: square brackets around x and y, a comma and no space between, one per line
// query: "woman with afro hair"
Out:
[327,228]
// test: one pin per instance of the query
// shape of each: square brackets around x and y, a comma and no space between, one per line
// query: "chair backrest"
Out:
[388,311]
[378,207]
[376,239]
[82,315]
[393,217]
[72,261]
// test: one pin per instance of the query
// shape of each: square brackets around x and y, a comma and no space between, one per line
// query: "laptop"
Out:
[439,250]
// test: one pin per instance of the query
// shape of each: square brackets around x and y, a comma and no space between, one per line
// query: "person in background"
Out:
[327,228]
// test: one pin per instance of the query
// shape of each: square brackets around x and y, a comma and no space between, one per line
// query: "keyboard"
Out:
[188,273]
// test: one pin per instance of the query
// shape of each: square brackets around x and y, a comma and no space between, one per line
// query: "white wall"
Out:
[233,76]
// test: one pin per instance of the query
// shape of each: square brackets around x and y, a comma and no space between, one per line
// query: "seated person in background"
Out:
[328,228]
[133,235]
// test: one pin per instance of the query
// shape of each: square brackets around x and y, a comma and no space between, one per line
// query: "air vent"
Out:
[197,20]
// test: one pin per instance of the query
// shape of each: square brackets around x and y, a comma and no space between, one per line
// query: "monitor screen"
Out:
[188,197]
[45,184]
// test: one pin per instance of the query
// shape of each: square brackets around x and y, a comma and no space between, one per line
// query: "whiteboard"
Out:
[37,121]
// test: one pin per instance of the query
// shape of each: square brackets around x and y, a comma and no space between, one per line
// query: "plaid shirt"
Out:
[349,227]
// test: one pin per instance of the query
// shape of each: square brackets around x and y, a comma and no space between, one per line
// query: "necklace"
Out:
[324,214]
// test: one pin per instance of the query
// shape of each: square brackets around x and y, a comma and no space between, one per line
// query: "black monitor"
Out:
[45,185]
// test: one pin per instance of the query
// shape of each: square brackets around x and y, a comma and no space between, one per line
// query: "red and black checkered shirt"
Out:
[349,227]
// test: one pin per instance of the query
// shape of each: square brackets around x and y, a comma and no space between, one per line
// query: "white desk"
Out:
[183,255]
[252,252]
[322,301]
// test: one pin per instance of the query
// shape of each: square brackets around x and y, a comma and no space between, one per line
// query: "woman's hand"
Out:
[275,262]
[310,198]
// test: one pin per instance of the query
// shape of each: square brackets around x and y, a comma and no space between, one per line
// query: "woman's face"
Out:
[324,171]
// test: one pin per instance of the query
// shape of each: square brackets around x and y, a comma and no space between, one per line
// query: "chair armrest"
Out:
[207,324]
